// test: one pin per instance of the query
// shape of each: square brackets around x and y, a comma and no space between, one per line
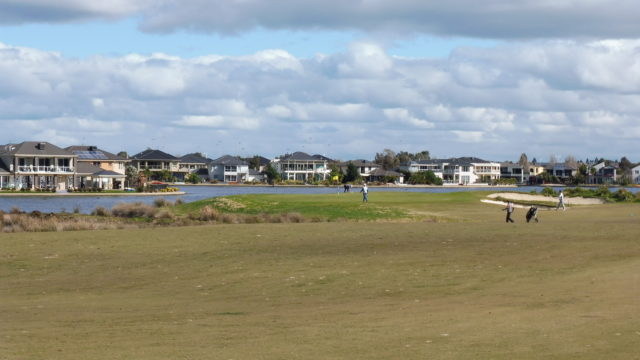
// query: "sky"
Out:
[490,79]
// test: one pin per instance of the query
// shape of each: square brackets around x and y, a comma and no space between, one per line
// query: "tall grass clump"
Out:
[161,202]
[208,213]
[100,211]
[133,210]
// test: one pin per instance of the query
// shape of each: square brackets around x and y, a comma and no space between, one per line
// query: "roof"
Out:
[152,154]
[465,160]
[261,160]
[229,160]
[194,158]
[300,156]
[109,174]
[322,157]
[90,153]
[35,148]
[360,162]
[85,168]
[5,162]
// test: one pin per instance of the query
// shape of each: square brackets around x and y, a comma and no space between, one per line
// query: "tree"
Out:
[123,154]
[524,163]
[570,161]
[352,173]
[271,174]
[193,178]
[254,162]
[132,176]
[335,172]
[387,159]
[425,177]
[422,155]
[553,159]
[625,164]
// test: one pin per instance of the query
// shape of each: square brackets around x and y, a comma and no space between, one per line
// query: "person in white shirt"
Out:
[509,210]
[561,201]
[365,191]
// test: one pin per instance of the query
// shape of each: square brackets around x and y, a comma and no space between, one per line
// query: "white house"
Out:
[463,170]
[302,166]
[635,175]
[229,168]
[36,165]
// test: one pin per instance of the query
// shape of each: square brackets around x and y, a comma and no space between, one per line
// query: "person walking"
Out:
[509,210]
[365,192]
[561,201]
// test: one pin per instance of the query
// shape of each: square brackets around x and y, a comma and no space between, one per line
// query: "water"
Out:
[86,204]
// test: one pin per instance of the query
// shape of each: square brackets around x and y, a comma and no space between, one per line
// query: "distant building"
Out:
[98,168]
[302,166]
[229,169]
[36,165]
[463,170]
[195,163]
[364,167]
[635,175]
[158,161]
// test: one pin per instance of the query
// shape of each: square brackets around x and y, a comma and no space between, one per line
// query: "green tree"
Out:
[132,177]
[254,162]
[425,177]
[524,163]
[335,171]
[352,173]
[123,154]
[387,159]
[271,173]
[193,178]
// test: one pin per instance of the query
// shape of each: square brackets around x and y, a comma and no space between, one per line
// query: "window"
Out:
[230,168]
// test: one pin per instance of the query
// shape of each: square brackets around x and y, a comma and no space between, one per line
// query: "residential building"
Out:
[195,163]
[37,165]
[262,162]
[381,175]
[511,170]
[158,161]
[302,166]
[98,168]
[635,175]
[602,173]
[229,168]
[563,171]
[463,170]
[364,167]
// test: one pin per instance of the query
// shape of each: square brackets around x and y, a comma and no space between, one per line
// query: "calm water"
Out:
[87,203]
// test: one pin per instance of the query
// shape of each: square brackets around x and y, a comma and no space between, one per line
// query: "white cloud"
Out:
[217,102]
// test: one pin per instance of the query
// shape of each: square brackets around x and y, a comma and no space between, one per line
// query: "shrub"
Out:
[603,192]
[164,214]
[547,191]
[624,195]
[208,213]
[132,210]
[178,202]
[15,210]
[533,192]
[100,211]
[160,202]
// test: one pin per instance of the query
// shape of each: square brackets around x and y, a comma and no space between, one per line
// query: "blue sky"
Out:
[344,79]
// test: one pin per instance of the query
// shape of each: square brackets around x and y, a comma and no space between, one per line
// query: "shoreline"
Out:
[56,194]
[341,185]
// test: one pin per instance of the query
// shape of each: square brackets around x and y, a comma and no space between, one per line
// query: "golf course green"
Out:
[405,276]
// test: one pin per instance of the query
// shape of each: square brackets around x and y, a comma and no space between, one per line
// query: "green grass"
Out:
[349,206]
[476,288]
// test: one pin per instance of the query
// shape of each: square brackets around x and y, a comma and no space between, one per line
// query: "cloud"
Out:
[495,19]
[272,102]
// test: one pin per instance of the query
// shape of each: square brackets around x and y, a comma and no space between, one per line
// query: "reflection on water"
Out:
[85,204]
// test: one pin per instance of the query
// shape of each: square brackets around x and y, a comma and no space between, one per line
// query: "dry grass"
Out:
[134,210]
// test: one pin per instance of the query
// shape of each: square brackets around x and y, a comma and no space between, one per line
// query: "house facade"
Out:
[98,168]
[158,161]
[365,167]
[463,170]
[36,165]
[229,169]
[301,166]
[195,163]
[635,175]
[564,172]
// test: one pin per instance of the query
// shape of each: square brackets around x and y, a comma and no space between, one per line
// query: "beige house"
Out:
[98,168]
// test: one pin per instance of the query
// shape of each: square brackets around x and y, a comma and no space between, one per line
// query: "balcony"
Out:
[45,169]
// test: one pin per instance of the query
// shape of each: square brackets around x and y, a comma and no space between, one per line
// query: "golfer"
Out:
[509,210]
[560,201]
[365,191]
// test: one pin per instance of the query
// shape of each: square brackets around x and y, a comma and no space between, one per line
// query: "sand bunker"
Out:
[529,197]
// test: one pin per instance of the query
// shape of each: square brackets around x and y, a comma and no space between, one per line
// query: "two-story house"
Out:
[364,167]
[302,166]
[158,162]
[635,175]
[230,169]
[463,170]
[37,165]
[195,163]
[98,168]
[602,173]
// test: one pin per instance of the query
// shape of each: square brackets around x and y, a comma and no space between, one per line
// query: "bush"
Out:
[100,211]
[160,202]
[603,192]
[132,210]
[547,191]
[208,213]
[624,195]
[178,202]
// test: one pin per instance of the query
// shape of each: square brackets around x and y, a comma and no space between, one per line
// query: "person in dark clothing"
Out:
[509,210]
[532,214]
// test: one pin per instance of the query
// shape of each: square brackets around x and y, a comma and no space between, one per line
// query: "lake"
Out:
[86,204]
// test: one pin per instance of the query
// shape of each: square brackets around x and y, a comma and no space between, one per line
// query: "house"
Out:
[258,160]
[364,167]
[635,175]
[157,162]
[195,163]
[98,168]
[563,171]
[229,168]
[463,170]
[301,166]
[381,175]
[37,165]
[511,170]
[602,173]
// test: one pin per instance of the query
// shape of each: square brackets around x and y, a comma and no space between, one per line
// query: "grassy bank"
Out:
[565,288]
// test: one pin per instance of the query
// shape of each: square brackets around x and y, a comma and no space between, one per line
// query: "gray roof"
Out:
[194,158]
[92,153]
[5,163]
[322,157]
[35,148]
[299,155]
[84,168]
[467,160]
[229,160]
[360,162]
[382,172]
[152,154]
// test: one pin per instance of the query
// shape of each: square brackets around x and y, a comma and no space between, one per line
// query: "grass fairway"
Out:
[471,287]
